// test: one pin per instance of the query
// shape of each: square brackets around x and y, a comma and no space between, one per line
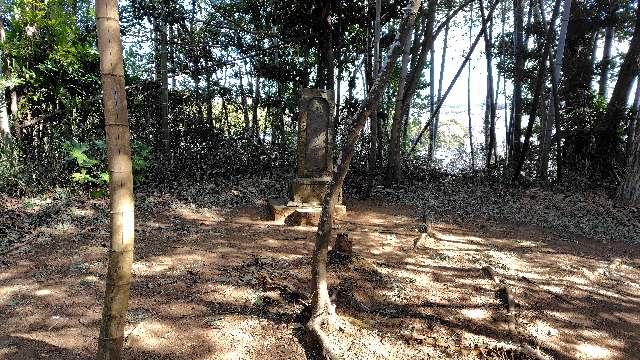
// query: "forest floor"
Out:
[216,280]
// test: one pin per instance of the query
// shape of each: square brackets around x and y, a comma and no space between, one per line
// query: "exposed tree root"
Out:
[511,304]
[534,353]
[314,327]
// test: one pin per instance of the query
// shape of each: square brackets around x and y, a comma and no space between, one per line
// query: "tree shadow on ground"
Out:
[209,284]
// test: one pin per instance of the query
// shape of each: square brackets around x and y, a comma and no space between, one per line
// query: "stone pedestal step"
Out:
[299,214]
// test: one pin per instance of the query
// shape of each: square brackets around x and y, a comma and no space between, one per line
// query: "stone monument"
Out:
[314,161]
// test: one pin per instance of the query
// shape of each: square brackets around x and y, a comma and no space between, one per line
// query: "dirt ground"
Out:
[228,284]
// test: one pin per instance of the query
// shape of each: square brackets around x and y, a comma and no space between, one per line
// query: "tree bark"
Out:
[605,63]
[553,113]
[432,97]
[436,120]
[5,130]
[321,305]
[537,95]
[164,89]
[326,67]
[455,78]
[607,141]
[631,128]
[518,56]
[121,181]
[373,119]
[490,106]
[472,152]
[243,100]
[255,131]
[393,167]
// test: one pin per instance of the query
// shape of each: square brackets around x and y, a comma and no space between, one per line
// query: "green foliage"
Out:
[12,170]
[90,164]
[141,161]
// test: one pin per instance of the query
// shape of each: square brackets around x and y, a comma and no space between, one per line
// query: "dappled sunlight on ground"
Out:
[228,284]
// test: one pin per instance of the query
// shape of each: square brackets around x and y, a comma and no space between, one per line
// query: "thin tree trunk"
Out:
[436,120]
[631,128]
[426,46]
[553,114]
[606,131]
[118,276]
[373,119]
[164,90]
[243,101]
[432,98]
[209,105]
[256,105]
[518,77]
[5,130]
[490,113]
[393,167]
[172,56]
[428,38]
[325,67]
[472,152]
[539,85]
[455,77]
[605,62]
[321,306]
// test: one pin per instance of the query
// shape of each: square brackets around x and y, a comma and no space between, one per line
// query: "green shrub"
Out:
[90,164]
[12,170]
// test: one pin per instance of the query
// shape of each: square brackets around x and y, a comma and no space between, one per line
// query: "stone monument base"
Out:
[295,214]
[311,190]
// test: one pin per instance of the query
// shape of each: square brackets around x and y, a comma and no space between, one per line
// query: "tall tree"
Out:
[432,94]
[393,167]
[164,89]
[633,123]
[121,181]
[607,139]
[518,76]
[373,120]
[322,309]
[455,77]
[490,105]
[605,63]
[553,115]
[472,152]
[5,130]
[255,102]
[538,91]
[436,120]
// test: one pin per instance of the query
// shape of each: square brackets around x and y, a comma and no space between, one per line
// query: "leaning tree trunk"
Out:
[322,309]
[455,79]
[607,139]
[537,95]
[393,167]
[121,181]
